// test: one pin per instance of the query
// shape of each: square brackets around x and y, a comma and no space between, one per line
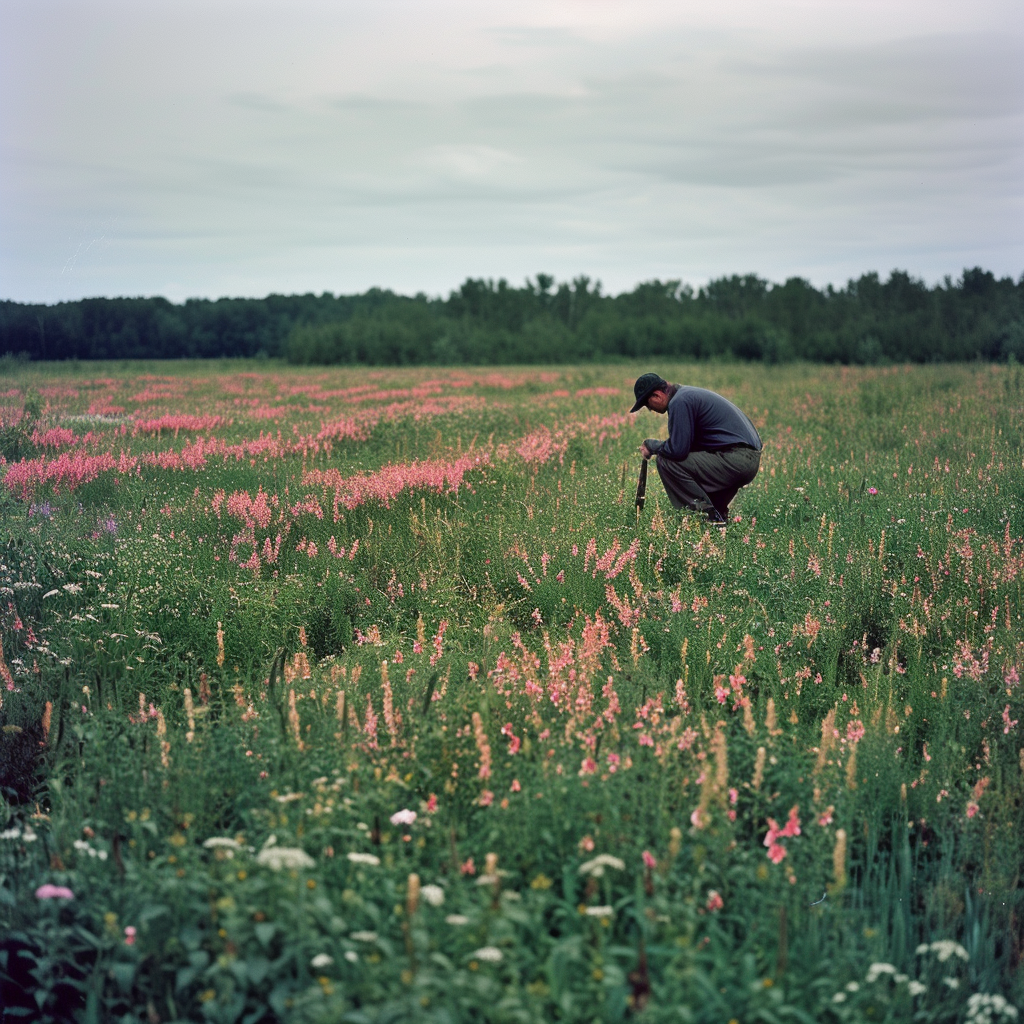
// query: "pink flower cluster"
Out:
[776,851]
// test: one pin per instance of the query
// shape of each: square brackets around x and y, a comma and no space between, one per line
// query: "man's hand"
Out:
[645,451]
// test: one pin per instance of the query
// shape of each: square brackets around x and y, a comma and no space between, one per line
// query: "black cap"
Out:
[644,387]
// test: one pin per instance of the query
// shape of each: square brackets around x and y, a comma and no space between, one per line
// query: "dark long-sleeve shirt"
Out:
[700,420]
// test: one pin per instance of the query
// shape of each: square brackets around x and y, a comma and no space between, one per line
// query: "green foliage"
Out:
[869,322]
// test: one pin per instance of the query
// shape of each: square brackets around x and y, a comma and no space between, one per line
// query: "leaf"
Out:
[153,910]
[185,977]
[124,974]
[265,932]
[257,968]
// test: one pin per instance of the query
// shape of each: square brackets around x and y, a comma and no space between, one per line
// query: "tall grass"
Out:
[251,617]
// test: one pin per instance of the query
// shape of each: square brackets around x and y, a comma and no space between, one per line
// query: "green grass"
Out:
[541,675]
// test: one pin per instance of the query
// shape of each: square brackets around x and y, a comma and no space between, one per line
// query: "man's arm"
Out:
[680,432]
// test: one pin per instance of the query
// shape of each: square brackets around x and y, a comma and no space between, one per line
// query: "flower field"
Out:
[368,696]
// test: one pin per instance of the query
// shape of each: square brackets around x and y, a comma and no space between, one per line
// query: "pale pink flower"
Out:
[648,859]
[403,817]
[54,892]
[715,901]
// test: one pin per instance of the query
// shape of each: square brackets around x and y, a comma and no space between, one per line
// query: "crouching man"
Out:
[712,449]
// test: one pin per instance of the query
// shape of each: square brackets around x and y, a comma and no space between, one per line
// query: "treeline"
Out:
[486,322]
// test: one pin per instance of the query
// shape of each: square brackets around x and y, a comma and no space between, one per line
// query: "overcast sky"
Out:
[225,147]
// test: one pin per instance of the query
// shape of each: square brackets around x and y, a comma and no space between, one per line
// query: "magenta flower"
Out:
[872,490]
[649,861]
[54,892]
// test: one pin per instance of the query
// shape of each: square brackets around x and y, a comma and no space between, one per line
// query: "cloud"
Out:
[314,145]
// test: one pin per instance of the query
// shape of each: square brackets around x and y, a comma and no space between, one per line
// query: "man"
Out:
[712,449]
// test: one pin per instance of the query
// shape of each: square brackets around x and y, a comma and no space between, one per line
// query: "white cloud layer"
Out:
[239,148]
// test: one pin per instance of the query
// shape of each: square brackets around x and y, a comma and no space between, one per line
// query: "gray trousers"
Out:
[708,481]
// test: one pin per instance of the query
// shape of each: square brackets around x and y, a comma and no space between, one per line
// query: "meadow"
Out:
[367,696]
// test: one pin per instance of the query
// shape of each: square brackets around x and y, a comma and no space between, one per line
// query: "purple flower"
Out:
[54,892]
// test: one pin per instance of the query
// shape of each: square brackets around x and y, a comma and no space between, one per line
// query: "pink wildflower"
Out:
[129,935]
[1008,724]
[715,901]
[648,858]
[54,892]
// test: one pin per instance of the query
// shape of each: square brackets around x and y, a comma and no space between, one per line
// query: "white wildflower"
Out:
[944,949]
[600,911]
[363,936]
[916,988]
[11,833]
[595,868]
[321,960]
[432,894]
[221,842]
[351,956]
[487,879]
[839,997]
[364,858]
[899,978]
[952,983]
[73,588]
[457,919]
[878,969]
[287,798]
[291,857]
[29,836]
[983,1008]
[403,817]
[852,986]
[489,953]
